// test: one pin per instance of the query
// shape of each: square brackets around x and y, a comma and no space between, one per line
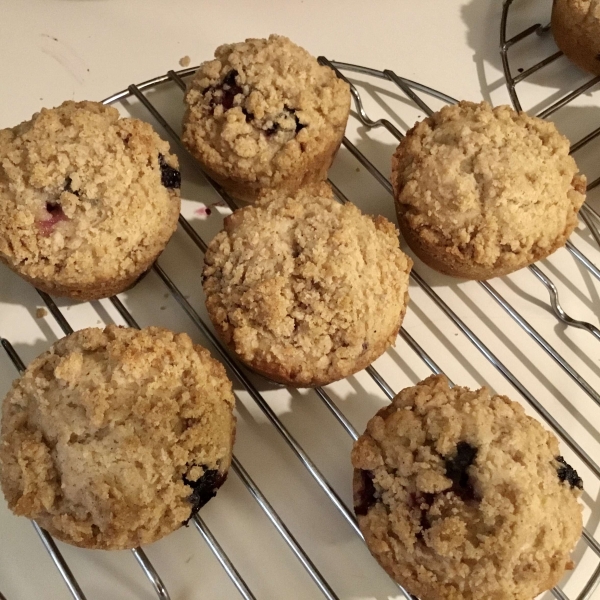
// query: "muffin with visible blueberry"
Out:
[461,495]
[87,200]
[264,115]
[575,26]
[114,438]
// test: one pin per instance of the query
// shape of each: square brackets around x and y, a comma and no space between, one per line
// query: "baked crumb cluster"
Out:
[87,200]
[483,191]
[304,289]
[263,111]
[461,495]
[113,438]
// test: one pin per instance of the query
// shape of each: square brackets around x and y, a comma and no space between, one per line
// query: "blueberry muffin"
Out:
[113,438]
[305,290]
[264,115]
[87,200]
[481,192]
[576,29]
[461,496]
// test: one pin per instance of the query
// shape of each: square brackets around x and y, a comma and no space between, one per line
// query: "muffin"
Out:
[113,438]
[461,496]
[576,28]
[305,290]
[264,115]
[87,200]
[481,192]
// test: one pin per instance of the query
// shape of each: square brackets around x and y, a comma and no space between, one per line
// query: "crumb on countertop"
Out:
[185,61]
[40,313]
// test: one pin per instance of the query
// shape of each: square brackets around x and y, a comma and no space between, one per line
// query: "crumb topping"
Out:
[460,494]
[306,287]
[262,109]
[490,186]
[81,199]
[112,437]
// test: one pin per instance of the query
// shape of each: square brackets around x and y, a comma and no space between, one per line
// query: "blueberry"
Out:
[203,489]
[417,500]
[272,130]
[53,208]
[229,79]
[249,115]
[229,90]
[365,498]
[456,470]
[68,188]
[567,473]
[169,177]
[299,126]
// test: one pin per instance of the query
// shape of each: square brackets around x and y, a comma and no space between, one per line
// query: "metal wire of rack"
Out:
[415,93]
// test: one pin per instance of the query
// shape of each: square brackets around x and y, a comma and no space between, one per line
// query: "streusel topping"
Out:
[494,185]
[84,195]
[113,437]
[461,495]
[306,287]
[263,108]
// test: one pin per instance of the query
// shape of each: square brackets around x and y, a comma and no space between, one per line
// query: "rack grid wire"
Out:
[419,96]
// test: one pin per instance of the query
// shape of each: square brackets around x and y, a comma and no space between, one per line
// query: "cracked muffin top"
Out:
[113,438]
[85,197]
[462,496]
[263,108]
[304,289]
[483,191]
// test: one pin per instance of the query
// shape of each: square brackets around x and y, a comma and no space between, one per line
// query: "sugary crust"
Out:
[83,212]
[305,290]
[504,528]
[482,192]
[281,125]
[100,431]
[576,29]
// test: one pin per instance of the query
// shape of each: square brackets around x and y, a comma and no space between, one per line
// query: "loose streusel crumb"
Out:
[264,114]
[482,192]
[306,290]
[40,313]
[87,200]
[461,496]
[113,437]
[184,61]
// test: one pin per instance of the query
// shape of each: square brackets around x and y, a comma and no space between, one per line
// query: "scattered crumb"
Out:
[520,70]
[163,307]
[40,313]
[185,61]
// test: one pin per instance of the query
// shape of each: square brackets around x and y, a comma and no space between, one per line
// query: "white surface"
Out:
[87,49]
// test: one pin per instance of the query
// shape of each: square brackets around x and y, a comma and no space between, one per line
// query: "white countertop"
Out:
[54,50]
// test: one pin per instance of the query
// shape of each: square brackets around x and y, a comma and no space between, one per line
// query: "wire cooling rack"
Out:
[480,332]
